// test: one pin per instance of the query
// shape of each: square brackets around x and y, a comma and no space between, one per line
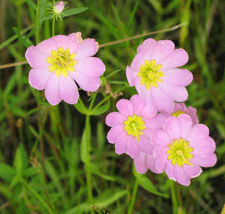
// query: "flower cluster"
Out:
[158,133]
[58,61]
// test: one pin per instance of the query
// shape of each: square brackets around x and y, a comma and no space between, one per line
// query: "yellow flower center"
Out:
[61,61]
[150,74]
[134,125]
[177,113]
[179,152]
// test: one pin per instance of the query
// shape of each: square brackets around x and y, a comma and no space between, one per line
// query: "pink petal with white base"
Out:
[192,171]
[172,127]
[61,41]
[52,90]
[178,77]
[47,46]
[114,119]
[38,78]
[86,83]
[91,67]
[88,47]
[68,90]
[132,148]
[180,176]
[121,143]
[177,58]
[125,107]
[176,93]
[35,58]
[138,60]
[162,50]
[114,132]
[162,100]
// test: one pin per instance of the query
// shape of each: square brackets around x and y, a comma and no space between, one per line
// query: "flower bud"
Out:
[59,6]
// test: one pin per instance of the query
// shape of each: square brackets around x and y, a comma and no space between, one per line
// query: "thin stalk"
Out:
[53,26]
[38,22]
[131,207]
[38,197]
[174,197]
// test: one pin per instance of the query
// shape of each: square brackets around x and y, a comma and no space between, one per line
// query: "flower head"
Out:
[180,108]
[132,127]
[58,61]
[181,148]
[58,8]
[155,75]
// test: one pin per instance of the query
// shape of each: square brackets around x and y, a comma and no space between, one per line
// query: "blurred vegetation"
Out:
[41,169]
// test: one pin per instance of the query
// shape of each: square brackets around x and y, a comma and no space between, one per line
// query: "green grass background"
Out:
[41,170]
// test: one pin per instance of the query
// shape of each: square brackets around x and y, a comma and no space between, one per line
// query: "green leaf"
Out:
[147,184]
[81,107]
[20,160]
[101,202]
[101,109]
[94,169]
[25,41]
[31,4]
[7,172]
[66,13]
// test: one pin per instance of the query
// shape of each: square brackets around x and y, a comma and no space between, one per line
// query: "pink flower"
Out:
[180,108]
[58,61]
[59,6]
[155,75]
[181,148]
[132,127]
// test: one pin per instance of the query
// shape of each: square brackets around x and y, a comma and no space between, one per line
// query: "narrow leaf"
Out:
[31,4]
[101,109]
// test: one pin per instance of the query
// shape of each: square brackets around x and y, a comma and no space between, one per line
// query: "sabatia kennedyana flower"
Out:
[180,108]
[155,75]
[58,61]
[181,148]
[132,127]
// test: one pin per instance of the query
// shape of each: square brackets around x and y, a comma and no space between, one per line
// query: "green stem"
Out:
[174,197]
[38,22]
[130,209]
[38,197]
[53,26]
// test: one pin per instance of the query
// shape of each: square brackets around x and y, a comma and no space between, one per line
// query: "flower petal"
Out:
[131,76]
[148,44]
[161,100]
[150,160]
[177,58]
[178,77]
[52,90]
[162,50]
[172,127]
[161,138]
[140,163]
[131,147]
[47,46]
[138,60]
[160,162]
[68,89]
[138,104]
[91,67]
[120,143]
[156,122]
[88,47]
[205,149]
[186,125]
[38,78]
[145,144]
[61,41]
[192,171]
[125,107]
[206,161]
[114,132]
[114,119]
[180,176]
[176,93]
[198,134]
[85,82]
[35,58]
[170,170]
